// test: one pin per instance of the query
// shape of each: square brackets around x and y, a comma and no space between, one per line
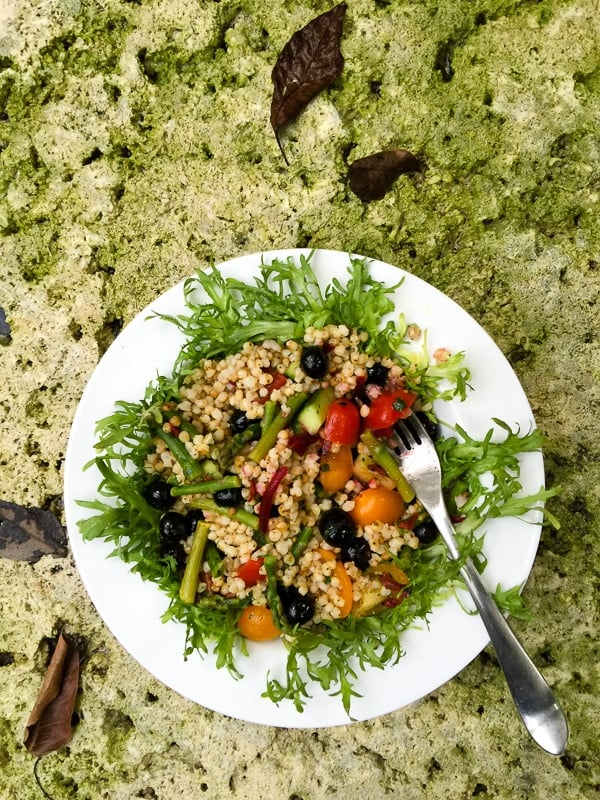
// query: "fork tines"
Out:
[411,431]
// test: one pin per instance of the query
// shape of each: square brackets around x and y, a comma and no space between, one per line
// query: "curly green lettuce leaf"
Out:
[511,602]
[480,478]
[283,301]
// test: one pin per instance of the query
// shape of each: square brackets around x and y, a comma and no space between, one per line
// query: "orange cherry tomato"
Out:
[256,623]
[336,469]
[250,572]
[377,505]
[346,588]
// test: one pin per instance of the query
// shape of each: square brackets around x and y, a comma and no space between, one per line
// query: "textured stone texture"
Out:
[135,145]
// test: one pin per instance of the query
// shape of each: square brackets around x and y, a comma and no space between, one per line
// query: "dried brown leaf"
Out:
[308,63]
[49,725]
[372,177]
[27,534]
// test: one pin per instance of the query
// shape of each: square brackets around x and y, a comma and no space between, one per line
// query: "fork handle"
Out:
[534,700]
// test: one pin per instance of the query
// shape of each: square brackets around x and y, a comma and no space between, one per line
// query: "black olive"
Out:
[377,374]
[314,361]
[298,608]
[426,532]
[358,551]
[158,495]
[238,422]
[431,427]
[174,549]
[228,498]
[172,527]
[337,527]
[192,518]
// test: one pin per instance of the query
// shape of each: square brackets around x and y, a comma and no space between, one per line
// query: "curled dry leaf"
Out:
[372,177]
[308,63]
[49,725]
[27,534]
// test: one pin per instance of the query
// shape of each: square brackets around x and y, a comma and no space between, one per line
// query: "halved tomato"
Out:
[388,407]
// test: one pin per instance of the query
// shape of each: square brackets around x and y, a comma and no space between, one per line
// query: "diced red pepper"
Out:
[388,408]
[266,501]
[342,425]
[250,572]
[384,433]
[278,380]
[398,591]
[408,524]
[300,442]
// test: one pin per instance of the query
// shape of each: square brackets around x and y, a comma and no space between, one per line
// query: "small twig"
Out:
[282,151]
[37,778]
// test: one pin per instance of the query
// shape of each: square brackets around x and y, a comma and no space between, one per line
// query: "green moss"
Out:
[208,66]
[93,45]
[34,408]
[106,335]
[116,727]
[6,739]
[476,180]
[36,242]
[6,85]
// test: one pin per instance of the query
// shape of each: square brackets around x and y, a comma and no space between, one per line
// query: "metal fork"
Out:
[533,698]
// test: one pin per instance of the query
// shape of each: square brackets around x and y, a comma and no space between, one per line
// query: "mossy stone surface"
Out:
[135,146]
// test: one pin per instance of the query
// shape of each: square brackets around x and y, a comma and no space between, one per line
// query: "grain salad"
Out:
[247,385]
[254,486]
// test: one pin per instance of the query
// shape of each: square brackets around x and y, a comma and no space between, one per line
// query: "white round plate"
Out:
[132,608]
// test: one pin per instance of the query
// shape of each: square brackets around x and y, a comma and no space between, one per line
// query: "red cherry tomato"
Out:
[343,423]
[250,571]
[388,408]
